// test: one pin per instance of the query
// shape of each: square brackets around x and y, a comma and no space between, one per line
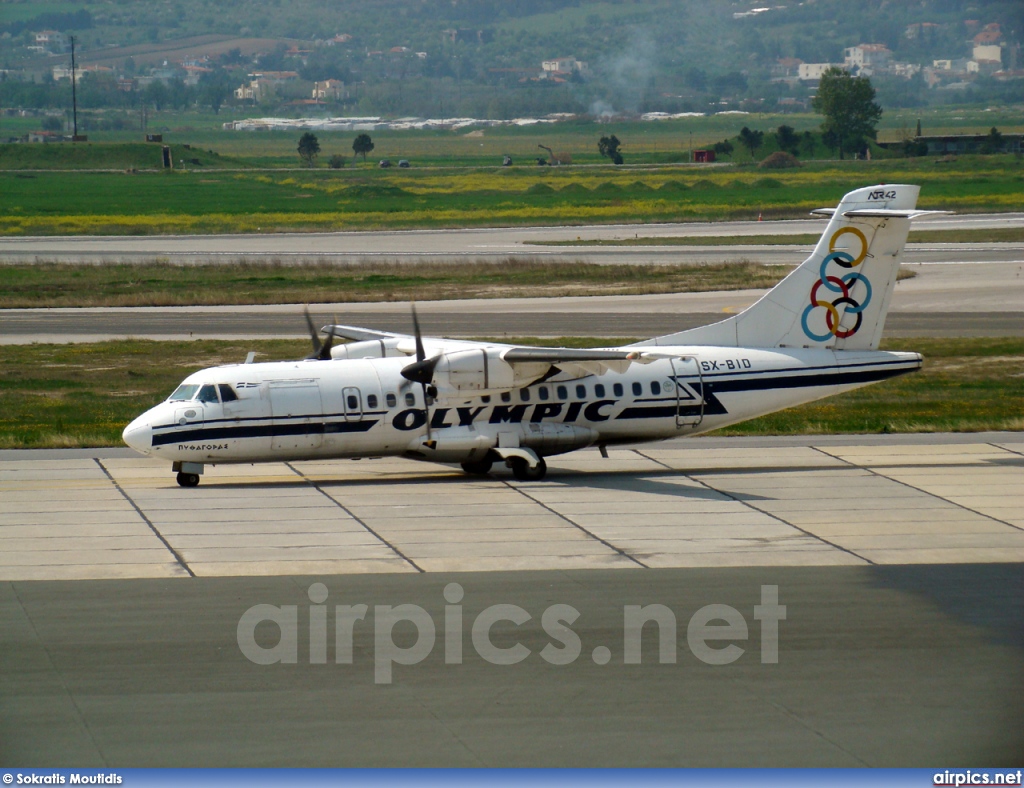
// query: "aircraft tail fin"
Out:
[839,296]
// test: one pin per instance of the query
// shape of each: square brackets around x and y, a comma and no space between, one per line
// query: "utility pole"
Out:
[74,94]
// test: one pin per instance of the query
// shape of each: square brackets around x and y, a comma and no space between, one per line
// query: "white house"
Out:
[813,71]
[872,56]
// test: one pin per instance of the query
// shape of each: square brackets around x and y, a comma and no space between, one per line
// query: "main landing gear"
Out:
[523,472]
[188,479]
[517,459]
[478,467]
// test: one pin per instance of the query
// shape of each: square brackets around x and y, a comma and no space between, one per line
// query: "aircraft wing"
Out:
[576,362]
[358,334]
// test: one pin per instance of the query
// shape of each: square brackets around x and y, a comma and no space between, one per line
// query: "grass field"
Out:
[653,142]
[209,201]
[84,395]
[1001,235]
[159,284]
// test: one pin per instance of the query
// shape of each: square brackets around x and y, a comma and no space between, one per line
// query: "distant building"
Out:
[64,72]
[988,53]
[51,41]
[990,34]
[565,65]
[875,57]
[968,143]
[811,72]
[275,77]
[257,90]
[787,67]
[329,90]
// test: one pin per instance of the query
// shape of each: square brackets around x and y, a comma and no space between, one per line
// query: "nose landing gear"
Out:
[188,473]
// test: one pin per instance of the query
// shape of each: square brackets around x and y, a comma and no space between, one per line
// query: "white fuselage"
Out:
[365,408]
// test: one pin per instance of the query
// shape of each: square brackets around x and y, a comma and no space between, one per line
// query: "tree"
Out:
[309,147]
[723,148]
[993,142]
[807,144]
[609,146]
[848,105]
[752,139]
[787,139]
[215,89]
[362,144]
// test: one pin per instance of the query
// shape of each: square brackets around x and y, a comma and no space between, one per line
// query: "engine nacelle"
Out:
[481,370]
[370,348]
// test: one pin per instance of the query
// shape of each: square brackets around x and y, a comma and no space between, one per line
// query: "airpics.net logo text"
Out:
[711,632]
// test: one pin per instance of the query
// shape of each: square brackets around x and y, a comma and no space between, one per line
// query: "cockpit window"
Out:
[208,393]
[227,394]
[184,392]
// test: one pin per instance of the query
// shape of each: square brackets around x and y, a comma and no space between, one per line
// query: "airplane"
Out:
[814,335]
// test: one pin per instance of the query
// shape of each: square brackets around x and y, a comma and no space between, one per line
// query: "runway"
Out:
[897,560]
[489,243]
[982,299]
[683,503]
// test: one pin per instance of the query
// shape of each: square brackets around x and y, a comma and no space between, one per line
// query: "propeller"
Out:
[321,350]
[422,370]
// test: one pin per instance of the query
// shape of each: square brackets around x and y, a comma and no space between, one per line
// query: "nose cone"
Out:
[139,435]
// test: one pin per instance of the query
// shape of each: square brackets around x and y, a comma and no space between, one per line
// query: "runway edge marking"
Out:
[351,514]
[749,505]
[153,528]
[880,475]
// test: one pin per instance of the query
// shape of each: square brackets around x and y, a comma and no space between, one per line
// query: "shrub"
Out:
[780,160]
[337,161]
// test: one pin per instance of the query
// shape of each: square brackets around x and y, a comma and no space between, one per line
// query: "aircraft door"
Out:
[689,385]
[297,414]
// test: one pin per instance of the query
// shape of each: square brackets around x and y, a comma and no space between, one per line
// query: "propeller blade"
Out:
[313,336]
[420,354]
[325,351]
[426,411]
[422,371]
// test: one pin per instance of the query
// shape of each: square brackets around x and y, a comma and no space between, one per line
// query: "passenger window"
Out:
[581,391]
[655,387]
[352,401]
[637,389]
[390,399]
[617,389]
[208,394]
[227,394]
[524,395]
[563,392]
[506,396]
[410,398]
[542,392]
[371,401]
[486,398]
[599,390]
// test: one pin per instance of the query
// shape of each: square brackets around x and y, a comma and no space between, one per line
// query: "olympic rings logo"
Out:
[841,286]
